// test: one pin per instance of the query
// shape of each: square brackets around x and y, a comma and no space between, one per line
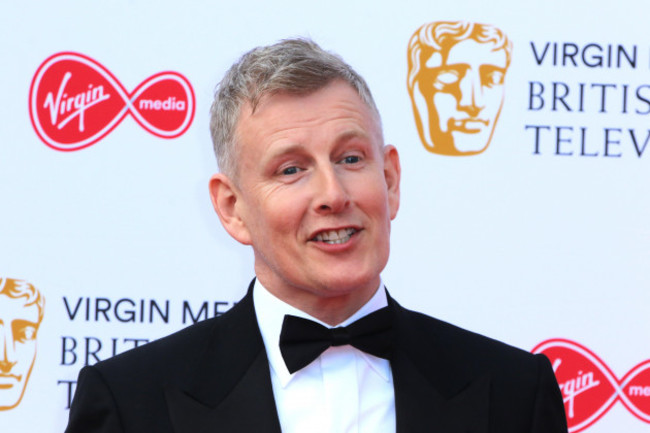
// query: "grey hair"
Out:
[295,66]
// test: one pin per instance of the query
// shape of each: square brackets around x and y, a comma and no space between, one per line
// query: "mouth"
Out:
[469,125]
[333,237]
[8,380]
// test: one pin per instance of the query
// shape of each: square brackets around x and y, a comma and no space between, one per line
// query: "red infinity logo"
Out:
[74,102]
[589,387]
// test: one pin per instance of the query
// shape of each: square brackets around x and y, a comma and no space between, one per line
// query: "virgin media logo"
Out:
[74,102]
[590,388]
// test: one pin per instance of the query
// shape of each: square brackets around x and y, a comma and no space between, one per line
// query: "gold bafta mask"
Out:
[456,74]
[21,312]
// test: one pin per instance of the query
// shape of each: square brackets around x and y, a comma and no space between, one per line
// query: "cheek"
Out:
[281,213]
[445,104]
[493,100]
[25,354]
[373,197]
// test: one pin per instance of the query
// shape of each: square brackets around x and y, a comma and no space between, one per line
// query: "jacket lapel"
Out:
[431,392]
[227,390]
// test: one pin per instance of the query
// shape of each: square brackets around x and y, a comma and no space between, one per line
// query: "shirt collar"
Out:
[270,312]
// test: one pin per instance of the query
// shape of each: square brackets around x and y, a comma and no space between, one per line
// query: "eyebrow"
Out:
[24,322]
[299,146]
[352,134]
[364,135]
[285,150]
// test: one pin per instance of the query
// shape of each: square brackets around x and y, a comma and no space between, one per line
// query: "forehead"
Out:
[335,108]
[14,309]
[472,52]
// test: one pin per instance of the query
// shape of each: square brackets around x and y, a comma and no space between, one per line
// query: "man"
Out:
[456,73]
[307,182]
[21,312]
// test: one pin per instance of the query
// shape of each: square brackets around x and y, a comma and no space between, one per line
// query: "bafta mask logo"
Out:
[456,75]
[21,312]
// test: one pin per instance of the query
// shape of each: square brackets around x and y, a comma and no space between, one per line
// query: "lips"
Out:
[339,236]
[468,125]
[8,380]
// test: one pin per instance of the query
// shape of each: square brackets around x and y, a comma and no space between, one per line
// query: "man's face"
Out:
[463,93]
[18,326]
[317,192]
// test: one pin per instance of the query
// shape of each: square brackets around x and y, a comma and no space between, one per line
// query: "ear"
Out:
[226,199]
[392,175]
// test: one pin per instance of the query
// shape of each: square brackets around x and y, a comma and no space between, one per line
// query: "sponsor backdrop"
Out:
[525,145]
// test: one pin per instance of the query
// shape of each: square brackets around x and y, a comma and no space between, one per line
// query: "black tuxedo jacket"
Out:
[214,377]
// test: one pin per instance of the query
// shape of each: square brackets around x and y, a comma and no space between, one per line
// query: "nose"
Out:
[8,359]
[5,366]
[471,93]
[330,195]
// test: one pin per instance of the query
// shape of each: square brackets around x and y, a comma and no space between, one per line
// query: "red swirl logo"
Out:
[74,102]
[590,388]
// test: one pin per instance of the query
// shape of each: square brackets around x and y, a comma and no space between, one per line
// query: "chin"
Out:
[340,286]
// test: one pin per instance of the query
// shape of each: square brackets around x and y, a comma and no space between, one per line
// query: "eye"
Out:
[445,79]
[491,76]
[290,171]
[494,79]
[24,332]
[351,159]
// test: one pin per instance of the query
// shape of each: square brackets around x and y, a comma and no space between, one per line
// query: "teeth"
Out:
[335,236]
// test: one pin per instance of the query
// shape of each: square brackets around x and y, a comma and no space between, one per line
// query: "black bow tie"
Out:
[302,340]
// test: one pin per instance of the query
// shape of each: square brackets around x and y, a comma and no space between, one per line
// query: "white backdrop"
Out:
[517,245]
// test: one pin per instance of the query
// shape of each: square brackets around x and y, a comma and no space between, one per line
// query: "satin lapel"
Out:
[227,390]
[431,393]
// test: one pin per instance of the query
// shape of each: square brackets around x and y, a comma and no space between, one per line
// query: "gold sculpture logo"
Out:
[21,312]
[456,74]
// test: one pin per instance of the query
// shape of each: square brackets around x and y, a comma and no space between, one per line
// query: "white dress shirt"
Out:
[343,391]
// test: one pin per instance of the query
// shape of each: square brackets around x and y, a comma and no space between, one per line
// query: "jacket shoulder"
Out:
[524,395]
[172,356]
[471,352]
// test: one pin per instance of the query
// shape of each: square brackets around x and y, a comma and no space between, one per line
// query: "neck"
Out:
[332,311]
[327,306]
